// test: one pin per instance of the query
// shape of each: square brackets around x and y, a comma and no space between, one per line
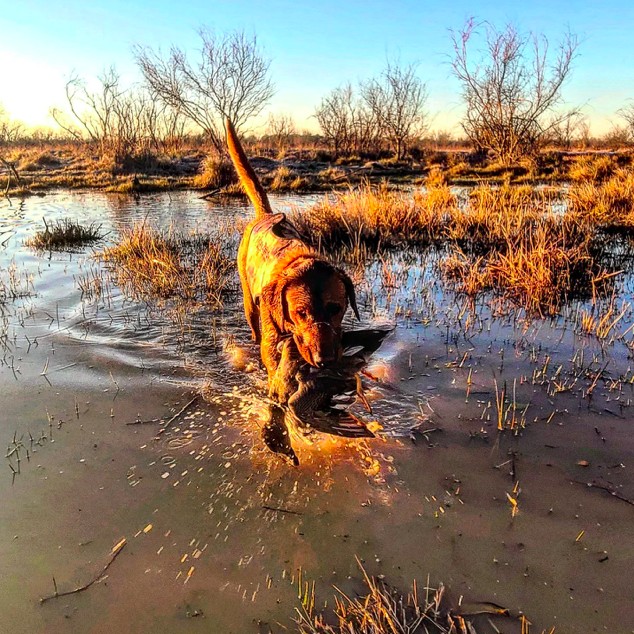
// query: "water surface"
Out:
[219,531]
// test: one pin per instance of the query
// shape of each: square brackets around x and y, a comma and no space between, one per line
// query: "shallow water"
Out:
[219,531]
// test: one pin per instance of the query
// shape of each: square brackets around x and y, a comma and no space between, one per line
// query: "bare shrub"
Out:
[397,101]
[627,114]
[346,123]
[125,124]
[280,131]
[230,79]
[512,90]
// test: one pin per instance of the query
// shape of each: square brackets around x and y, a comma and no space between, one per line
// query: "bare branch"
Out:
[231,79]
[512,90]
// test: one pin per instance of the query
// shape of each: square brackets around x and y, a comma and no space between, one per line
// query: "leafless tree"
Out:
[230,79]
[397,100]
[335,117]
[279,130]
[122,122]
[511,89]
[627,114]
[568,131]
[9,130]
[346,123]
[92,112]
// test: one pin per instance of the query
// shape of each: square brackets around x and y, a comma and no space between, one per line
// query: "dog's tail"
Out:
[248,177]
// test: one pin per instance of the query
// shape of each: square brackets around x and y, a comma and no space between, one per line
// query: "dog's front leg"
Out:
[283,384]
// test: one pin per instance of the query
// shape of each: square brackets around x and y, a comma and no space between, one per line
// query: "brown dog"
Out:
[288,288]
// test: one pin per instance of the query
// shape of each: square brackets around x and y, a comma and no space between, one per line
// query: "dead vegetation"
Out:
[537,248]
[64,234]
[382,609]
[607,202]
[150,263]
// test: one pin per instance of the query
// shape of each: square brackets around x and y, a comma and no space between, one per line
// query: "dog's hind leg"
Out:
[251,310]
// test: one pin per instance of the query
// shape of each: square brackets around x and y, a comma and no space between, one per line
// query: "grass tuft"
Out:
[381,610]
[64,234]
[216,173]
[150,263]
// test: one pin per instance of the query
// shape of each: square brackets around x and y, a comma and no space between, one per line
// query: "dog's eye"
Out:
[332,309]
[302,313]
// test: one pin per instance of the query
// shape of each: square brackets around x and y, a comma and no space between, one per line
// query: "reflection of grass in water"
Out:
[157,264]
[64,234]
[382,610]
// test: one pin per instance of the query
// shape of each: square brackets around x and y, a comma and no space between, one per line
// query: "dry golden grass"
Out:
[536,264]
[64,234]
[510,239]
[149,263]
[609,203]
[285,179]
[494,215]
[383,610]
[376,216]
[591,168]
[215,173]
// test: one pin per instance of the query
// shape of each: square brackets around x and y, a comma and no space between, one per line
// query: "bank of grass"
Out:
[377,216]
[73,165]
[151,263]
[64,234]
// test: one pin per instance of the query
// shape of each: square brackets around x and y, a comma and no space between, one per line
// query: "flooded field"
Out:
[503,470]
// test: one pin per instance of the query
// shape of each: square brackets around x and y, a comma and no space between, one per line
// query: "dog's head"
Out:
[309,301]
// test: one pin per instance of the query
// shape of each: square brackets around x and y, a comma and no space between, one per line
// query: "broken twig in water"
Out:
[607,489]
[145,422]
[114,553]
[180,411]
[280,510]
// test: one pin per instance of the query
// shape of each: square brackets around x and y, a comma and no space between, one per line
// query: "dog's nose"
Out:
[319,361]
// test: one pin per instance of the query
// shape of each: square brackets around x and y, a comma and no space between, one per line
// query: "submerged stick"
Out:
[607,489]
[280,510]
[113,555]
[180,411]
[145,422]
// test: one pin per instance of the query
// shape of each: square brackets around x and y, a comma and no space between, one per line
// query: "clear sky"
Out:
[314,46]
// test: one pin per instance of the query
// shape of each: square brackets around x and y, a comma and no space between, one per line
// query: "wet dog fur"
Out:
[289,290]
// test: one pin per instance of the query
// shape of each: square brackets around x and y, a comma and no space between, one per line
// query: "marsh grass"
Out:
[376,216]
[216,173]
[150,263]
[381,610]
[609,203]
[286,179]
[592,168]
[64,234]
[511,239]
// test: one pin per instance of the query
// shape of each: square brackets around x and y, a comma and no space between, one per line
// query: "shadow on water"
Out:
[503,469]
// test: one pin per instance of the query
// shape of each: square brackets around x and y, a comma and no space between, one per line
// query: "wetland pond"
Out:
[220,533]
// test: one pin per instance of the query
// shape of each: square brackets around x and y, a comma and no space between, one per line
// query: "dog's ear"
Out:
[274,300]
[352,298]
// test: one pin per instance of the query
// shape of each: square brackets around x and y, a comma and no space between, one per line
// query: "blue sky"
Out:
[314,46]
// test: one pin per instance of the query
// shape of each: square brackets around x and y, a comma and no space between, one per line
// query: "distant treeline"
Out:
[511,83]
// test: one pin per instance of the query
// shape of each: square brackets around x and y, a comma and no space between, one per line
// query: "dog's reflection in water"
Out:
[317,399]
